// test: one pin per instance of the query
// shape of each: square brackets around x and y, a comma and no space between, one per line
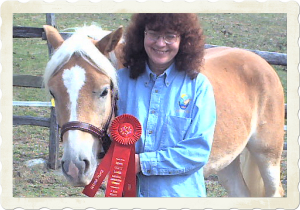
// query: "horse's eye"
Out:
[104,93]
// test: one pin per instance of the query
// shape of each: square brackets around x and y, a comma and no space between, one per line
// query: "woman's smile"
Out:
[160,52]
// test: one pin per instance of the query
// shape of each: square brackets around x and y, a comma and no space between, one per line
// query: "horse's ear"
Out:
[53,36]
[110,41]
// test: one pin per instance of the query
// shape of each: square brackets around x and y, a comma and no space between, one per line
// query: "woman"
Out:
[162,86]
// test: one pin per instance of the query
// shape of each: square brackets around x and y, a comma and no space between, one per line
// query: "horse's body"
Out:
[250,114]
[250,117]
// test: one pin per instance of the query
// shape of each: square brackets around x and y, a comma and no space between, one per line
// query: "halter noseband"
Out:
[101,134]
[86,127]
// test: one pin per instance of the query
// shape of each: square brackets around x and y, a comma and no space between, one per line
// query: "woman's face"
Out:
[161,48]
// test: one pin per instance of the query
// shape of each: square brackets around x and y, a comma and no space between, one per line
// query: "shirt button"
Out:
[156,91]
[150,132]
[152,112]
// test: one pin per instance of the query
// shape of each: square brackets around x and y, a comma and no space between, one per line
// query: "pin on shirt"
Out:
[184,101]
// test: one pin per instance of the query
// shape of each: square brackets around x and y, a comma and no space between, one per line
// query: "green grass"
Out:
[265,32]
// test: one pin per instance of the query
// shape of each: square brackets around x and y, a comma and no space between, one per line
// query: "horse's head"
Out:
[83,83]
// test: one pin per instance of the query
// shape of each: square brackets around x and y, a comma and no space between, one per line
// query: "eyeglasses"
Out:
[168,38]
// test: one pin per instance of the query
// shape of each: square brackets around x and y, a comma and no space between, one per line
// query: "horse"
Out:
[248,139]
[83,83]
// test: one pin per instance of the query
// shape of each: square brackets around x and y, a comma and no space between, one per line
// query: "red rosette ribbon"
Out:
[119,161]
[126,129]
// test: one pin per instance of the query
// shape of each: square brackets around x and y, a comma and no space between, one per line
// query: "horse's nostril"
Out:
[87,165]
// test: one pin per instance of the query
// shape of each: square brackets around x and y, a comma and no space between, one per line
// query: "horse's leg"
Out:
[269,165]
[251,174]
[271,177]
[232,180]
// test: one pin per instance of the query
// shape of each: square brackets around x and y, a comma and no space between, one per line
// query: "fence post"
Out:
[50,20]
[54,141]
[54,129]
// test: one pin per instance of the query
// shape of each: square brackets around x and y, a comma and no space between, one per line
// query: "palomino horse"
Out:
[250,116]
[83,83]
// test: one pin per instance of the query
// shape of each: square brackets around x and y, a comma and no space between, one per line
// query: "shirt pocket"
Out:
[174,130]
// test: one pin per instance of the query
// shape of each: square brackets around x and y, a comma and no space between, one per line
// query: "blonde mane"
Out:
[80,44]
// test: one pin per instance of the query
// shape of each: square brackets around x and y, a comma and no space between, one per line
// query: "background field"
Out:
[265,32]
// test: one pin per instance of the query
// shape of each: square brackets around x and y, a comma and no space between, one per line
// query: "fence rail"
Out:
[29,120]
[273,58]
[28,81]
[27,32]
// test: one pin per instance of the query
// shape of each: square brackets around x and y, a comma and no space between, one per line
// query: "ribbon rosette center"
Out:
[126,130]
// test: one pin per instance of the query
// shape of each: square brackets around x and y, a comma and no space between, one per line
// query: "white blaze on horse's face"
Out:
[73,79]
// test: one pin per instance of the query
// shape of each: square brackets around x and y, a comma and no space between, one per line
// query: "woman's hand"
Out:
[137,164]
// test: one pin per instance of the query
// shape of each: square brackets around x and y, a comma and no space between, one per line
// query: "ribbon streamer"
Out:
[119,161]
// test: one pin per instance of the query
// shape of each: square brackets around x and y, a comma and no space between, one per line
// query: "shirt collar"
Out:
[169,74]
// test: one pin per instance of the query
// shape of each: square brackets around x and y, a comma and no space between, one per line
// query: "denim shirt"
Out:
[178,117]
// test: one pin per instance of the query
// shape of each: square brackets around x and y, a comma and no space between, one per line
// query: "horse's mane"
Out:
[80,44]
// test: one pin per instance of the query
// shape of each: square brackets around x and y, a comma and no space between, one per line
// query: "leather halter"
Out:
[86,127]
[101,134]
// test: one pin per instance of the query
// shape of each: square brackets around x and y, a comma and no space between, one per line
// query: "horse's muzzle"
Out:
[77,172]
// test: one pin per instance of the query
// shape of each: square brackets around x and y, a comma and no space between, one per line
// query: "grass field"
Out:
[265,32]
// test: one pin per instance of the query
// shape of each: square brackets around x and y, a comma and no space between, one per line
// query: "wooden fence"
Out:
[30,81]
[273,58]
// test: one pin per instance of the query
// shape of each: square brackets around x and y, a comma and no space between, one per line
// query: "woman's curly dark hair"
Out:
[191,48]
